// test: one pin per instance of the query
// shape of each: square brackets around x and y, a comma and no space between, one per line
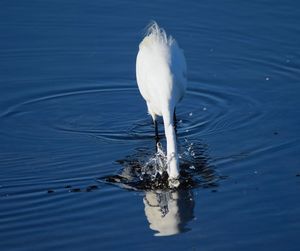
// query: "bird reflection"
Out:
[168,212]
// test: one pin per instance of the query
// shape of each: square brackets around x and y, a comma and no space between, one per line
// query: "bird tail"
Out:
[159,34]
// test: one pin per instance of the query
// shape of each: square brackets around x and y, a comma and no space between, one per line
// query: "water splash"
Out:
[146,171]
[156,165]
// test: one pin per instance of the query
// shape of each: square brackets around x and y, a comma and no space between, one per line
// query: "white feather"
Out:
[161,78]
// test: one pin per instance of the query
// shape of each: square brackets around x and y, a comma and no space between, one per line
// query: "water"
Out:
[74,129]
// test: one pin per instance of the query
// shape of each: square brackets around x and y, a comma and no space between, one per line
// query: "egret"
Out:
[161,78]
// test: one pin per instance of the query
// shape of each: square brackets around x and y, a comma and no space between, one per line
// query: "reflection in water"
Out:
[168,212]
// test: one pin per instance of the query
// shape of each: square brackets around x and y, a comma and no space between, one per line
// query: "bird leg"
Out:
[175,121]
[156,134]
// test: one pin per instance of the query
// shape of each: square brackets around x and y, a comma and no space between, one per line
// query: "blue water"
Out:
[71,114]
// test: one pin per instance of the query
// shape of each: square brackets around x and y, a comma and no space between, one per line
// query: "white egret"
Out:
[161,78]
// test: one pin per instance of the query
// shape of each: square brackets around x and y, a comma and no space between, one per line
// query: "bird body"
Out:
[161,78]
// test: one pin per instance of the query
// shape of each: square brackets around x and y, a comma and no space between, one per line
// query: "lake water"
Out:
[74,130]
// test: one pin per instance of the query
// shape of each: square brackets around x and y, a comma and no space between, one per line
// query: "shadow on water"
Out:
[167,210]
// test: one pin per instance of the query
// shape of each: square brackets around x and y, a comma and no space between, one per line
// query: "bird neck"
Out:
[172,155]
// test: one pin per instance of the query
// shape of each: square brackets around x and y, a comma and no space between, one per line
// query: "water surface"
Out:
[71,116]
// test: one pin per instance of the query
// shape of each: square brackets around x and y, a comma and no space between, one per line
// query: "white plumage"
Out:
[161,78]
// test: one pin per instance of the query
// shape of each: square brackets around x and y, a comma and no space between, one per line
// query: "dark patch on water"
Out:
[70,189]
[195,170]
[91,188]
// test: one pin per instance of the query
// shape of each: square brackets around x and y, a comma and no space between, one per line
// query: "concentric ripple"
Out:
[103,111]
